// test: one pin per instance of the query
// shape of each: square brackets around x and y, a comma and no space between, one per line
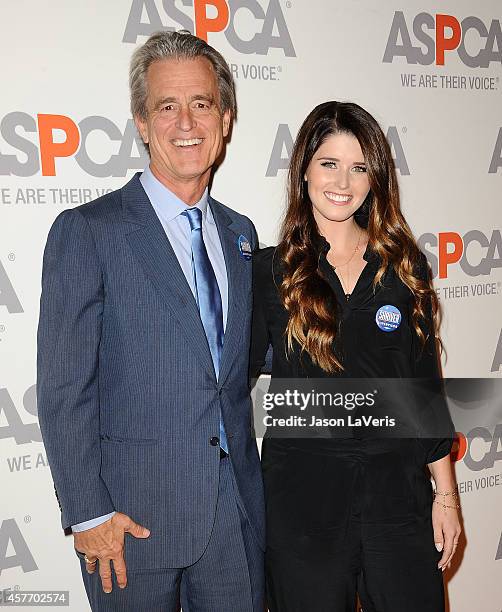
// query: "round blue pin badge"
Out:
[244,247]
[388,318]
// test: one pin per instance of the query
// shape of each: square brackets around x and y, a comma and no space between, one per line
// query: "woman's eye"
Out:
[328,164]
[360,168]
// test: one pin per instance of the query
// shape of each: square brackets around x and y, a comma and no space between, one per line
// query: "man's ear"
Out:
[227,119]
[142,127]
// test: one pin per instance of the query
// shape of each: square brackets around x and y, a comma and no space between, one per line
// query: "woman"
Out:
[349,516]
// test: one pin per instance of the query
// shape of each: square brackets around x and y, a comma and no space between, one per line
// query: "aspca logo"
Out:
[268,29]
[13,540]
[475,252]
[496,161]
[283,148]
[38,143]
[23,433]
[479,449]
[433,36]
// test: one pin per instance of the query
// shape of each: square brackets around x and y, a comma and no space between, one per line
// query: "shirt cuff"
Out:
[92,523]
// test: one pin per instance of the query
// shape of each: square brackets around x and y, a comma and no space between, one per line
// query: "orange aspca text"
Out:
[49,149]
[444,43]
[205,24]
[447,257]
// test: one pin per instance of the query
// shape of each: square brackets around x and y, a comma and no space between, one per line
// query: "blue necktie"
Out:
[208,297]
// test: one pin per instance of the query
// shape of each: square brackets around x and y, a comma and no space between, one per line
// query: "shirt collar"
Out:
[166,204]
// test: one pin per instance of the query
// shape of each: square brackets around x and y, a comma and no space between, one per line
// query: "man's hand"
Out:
[105,543]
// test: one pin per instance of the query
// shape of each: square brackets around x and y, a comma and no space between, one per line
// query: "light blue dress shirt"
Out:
[169,209]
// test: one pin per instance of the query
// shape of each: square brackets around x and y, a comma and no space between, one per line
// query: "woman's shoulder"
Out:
[265,264]
[264,256]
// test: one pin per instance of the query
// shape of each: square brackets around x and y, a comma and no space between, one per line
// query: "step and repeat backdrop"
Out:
[66,136]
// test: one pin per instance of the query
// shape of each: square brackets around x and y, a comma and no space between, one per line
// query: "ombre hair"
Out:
[305,293]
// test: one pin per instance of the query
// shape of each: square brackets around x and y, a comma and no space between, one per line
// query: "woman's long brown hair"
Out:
[306,295]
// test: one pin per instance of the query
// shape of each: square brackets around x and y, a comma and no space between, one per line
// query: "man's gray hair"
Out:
[176,45]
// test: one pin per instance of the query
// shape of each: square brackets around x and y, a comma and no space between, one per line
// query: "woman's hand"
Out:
[446,525]
[445,516]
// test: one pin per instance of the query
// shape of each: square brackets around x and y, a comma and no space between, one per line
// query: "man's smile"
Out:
[188,142]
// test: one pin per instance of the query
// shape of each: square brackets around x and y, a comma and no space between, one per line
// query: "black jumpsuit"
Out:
[348,516]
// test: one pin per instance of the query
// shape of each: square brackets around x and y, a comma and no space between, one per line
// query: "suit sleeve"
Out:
[69,334]
[427,367]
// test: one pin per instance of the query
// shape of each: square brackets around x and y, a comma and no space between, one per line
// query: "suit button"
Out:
[214,441]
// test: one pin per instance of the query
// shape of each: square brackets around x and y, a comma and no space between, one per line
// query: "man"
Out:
[143,357]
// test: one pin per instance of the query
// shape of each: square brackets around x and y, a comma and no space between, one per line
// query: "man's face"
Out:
[184,127]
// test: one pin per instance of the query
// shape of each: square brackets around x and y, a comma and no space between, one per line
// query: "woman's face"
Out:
[337,179]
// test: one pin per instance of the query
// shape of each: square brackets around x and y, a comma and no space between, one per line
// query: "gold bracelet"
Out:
[443,503]
[453,493]
[456,506]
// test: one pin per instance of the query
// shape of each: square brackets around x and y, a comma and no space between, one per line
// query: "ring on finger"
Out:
[88,561]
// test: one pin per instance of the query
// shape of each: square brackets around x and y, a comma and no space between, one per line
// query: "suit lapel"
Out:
[237,289]
[156,256]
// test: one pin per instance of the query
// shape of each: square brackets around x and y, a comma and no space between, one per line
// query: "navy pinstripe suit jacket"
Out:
[127,395]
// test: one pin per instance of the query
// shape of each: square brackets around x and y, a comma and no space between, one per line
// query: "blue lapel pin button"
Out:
[244,247]
[388,318]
